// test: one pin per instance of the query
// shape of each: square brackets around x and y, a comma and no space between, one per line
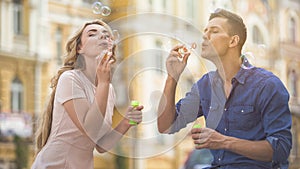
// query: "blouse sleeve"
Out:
[68,88]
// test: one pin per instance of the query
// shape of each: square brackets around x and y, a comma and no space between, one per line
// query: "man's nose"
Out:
[205,36]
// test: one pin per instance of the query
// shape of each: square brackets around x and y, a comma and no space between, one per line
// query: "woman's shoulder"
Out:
[70,74]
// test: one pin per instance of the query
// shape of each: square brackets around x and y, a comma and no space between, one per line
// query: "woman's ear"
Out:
[79,49]
[234,41]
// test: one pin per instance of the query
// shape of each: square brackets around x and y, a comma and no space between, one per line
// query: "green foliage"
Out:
[21,152]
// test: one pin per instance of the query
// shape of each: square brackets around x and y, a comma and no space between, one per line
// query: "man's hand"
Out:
[207,138]
[174,65]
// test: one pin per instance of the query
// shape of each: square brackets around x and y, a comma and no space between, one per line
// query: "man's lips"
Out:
[204,44]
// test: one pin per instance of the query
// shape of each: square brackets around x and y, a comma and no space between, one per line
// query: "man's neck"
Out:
[229,67]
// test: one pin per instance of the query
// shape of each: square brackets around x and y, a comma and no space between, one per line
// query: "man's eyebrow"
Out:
[215,26]
[212,27]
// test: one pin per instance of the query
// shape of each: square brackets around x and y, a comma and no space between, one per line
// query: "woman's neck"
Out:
[90,69]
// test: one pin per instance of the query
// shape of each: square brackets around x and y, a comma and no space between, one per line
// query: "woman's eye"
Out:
[91,35]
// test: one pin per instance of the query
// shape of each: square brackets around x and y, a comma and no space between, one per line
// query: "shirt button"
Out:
[209,107]
[225,129]
[219,159]
[242,111]
[225,109]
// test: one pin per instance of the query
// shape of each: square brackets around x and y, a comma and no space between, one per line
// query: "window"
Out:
[159,62]
[292,30]
[293,82]
[164,4]
[89,1]
[150,5]
[58,39]
[294,150]
[190,8]
[16,95]
[257,36]
[17,16]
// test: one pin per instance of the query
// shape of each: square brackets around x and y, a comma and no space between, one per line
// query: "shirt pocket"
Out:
[242,118]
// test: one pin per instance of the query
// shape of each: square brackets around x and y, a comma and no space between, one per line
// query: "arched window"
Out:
[17,16]
[257,36]
[293,82]
[292,30]
[16,92]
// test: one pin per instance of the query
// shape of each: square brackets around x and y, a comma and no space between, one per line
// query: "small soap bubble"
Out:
[105,10]
[182,51]
[193,45]
[186,49]
[97,7]
[168,45]
[248,60]
[261,50]
[116,35]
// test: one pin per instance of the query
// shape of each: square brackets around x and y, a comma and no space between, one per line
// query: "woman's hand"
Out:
[103,71]
[134,114]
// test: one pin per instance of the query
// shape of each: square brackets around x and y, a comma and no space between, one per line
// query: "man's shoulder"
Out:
[266,77]
[263,74]
[208,75]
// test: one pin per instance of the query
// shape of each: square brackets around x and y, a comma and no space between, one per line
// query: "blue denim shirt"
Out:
[256,109]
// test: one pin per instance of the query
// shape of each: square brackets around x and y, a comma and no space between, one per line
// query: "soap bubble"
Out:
[97,7]
[248,60]
[186,49]
[116,35]
[105,10]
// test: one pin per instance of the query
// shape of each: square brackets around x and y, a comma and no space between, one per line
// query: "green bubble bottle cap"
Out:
[197,126]
[134,103]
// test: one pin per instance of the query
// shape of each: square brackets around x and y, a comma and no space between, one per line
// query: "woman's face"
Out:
[95,39]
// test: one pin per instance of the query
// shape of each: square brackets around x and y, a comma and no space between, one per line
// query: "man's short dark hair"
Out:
[237,26]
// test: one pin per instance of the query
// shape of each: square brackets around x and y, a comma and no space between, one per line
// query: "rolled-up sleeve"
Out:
[187,109]
[277,119]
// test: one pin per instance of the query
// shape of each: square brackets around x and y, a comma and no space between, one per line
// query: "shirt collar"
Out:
[244,72]
[240,77]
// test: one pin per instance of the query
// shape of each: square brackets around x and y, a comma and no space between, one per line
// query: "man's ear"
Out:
[234,41]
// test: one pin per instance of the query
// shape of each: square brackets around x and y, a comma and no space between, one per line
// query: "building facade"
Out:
[33,34]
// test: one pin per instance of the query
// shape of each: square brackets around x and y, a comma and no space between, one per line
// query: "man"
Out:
[246,109]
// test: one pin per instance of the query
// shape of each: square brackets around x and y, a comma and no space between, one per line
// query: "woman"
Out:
[79,114]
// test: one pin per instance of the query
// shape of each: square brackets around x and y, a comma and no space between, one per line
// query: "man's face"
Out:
[216,39]
[95,38]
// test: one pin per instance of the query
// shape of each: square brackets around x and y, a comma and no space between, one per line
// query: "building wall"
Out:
[32,57]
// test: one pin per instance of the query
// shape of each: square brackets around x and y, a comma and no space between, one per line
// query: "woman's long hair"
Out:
[72,61]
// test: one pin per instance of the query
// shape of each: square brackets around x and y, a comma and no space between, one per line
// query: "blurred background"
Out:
[33,34]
